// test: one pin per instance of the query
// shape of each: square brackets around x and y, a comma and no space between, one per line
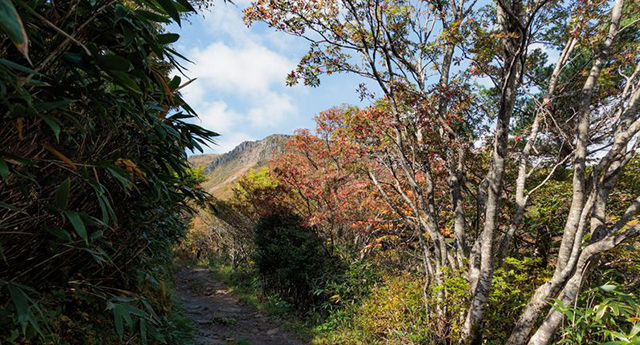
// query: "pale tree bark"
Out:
[420,196]
[521,198]
[632,94]
[455,158]
[510,23]
[570,244]
[582,141]
[603,239]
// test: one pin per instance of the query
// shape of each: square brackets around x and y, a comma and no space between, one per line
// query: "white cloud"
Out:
[248,69]
[217,116]
[271,111]
[240,90]
[192,93]
[226,20]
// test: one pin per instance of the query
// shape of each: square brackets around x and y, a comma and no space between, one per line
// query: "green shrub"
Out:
[347,285]
[513,285]
[290,259]
[394,312]
[606,314]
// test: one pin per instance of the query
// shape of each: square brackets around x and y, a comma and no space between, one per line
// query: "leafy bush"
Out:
[290,259]
[513,285]
[347,286]
[94,182]
[394,313]
[609,315]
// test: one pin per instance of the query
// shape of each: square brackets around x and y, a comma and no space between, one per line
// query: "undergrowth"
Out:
[388,307]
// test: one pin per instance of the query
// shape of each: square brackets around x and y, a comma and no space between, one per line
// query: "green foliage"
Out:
[610,315]
[11,24]
[394,312]
[259,193]
[94,173]
[513,285]
[194,177]
[346,287]
[290,258]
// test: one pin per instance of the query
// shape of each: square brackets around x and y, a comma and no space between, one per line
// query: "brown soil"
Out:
[220,318]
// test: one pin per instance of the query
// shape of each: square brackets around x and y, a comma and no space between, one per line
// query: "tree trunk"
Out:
[514,50]
[538,302]
[521,198]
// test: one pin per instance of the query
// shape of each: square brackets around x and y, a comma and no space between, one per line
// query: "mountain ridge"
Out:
[222,170]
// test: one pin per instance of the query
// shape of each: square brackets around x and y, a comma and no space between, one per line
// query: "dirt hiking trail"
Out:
[219,318]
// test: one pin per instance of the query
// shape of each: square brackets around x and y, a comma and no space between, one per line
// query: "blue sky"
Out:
[240,91]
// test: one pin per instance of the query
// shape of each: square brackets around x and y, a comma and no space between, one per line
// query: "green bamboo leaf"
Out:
[168,38]
[11,24]
[53,123]
[118,315]
[126,81]
[114,63]
[635,330]
[174,83]
[21,302]
[179,55]
[62,194]
[155,334]
[17,67]
[186,5]
[12,208]
[135,311]
[170,9]
[121,11]
[96,235]
[78,224]
[129,35]
[105,206]
[61,234]
[143,331]
[4,169]
[37,83]
[45,106]
[120,177]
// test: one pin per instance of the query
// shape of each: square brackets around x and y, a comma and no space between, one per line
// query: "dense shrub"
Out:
[607,314]
[94,180]
[290,258]
[394,312]
[513,285]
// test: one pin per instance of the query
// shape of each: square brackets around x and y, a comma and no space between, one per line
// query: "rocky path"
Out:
[220,318]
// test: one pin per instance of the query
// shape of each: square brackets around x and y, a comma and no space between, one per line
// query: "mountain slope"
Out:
[203,160]
[223,170]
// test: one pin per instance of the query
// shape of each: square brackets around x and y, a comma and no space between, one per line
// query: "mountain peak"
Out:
[223,170]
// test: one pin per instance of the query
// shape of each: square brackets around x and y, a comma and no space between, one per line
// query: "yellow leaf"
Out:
[61,156]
